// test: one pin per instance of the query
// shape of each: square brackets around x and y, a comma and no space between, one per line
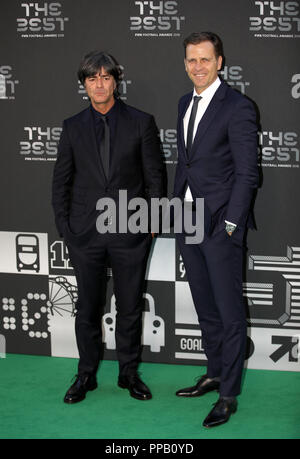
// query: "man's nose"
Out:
[99,82]
[198,65]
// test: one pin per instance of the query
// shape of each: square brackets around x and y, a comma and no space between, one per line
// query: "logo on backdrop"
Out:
[43,20]
[168,139]
[273,19]
[274,307]
[280,271]
[296,86]
[34,314]
[156,19]
[153,333]
[123,88]
[287,346]
[7,82]
[27,252]
[233,75]
[38,302]
[279,149]
[39,294]
[40,143]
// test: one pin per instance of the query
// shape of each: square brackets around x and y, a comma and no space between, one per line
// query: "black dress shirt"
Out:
[111,117]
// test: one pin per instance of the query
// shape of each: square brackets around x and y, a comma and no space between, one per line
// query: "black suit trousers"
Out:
[214,271]
[127,255]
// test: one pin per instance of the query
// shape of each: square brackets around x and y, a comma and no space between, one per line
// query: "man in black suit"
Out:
[106,148]
[217,161]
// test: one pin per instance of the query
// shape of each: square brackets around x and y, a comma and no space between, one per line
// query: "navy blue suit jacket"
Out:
[223,165]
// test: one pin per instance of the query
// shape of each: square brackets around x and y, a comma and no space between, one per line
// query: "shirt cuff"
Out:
[230,223]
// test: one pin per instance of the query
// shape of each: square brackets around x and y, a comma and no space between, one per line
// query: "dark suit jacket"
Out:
[79,181]
[223,167]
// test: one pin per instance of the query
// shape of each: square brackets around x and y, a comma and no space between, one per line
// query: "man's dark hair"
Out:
[94,61]
[198,37]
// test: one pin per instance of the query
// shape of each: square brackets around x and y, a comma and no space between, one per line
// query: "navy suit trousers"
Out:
[214,271]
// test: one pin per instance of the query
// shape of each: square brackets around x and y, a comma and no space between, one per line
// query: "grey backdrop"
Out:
[42,44]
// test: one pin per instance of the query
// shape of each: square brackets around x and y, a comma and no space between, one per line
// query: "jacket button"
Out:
[187,164]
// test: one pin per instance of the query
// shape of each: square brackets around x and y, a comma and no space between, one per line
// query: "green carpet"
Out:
[32,389]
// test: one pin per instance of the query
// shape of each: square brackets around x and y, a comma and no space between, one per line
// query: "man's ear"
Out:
[220,62]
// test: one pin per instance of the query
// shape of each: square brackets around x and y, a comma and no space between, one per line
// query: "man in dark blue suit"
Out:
[217,161]
[106,148]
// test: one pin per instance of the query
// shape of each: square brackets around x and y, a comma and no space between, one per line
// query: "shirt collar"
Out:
[97,115]
[209,92]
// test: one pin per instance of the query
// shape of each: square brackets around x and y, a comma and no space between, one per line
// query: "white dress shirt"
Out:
[206,97]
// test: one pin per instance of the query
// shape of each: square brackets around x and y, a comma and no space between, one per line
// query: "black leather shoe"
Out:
[221,412]
[136,387]
[81,386]
[202,387]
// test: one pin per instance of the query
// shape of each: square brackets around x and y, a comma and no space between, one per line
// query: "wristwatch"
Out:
[230,228]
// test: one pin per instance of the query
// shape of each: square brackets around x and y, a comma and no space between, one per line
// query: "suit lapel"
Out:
[181,116]
[123,130]
[210,113]
[87,128]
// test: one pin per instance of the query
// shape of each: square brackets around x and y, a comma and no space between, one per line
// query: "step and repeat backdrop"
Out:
[41,47]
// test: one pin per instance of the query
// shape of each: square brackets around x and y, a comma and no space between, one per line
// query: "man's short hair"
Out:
[198,37]
[94,61]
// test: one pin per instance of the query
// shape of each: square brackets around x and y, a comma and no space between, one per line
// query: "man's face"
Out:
[202,65]
[100,88]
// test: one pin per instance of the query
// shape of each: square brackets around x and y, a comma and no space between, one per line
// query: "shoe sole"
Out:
[72,402]
[196,395]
